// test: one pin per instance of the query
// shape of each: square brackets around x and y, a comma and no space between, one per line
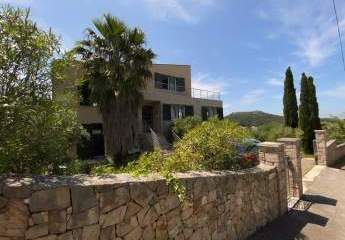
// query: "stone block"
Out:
[108,233]
[82,219]
[124,228]
[147,216]
[167,204]
[149,233]
[50,237]
[91,232]
[57,221]
[65,236]
[135,234]
[3,202]
[51,199]
[113,217]
[37,231]
[141,194]
[14,219]
[39,218]
[83,198]
[113,199]
[132,209]
[17,188]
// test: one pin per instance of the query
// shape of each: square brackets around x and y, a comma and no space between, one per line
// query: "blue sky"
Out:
[240,48]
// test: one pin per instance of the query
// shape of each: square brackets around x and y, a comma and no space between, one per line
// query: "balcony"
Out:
[205,94]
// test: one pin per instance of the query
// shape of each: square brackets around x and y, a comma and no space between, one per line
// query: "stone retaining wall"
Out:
[327,151]
[221,205]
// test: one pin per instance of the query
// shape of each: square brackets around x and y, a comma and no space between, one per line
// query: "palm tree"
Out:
[117,66]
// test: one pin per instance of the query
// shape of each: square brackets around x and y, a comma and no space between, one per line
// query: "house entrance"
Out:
[92,147]
[147,117]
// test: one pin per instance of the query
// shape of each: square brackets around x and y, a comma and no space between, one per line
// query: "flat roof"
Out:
[172,64]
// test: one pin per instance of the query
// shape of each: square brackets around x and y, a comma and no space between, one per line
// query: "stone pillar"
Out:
[272,153]
[321,147]
[292,150]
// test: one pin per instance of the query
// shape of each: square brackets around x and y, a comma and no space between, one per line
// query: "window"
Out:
[169,82]
[208,112]
[178,111]
[161,81]
[180,85]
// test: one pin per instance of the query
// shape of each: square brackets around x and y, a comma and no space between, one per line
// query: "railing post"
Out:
[272,153]
[321,147]
[292,150]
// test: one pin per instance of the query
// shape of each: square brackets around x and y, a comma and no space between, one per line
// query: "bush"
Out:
[183,125]
[36,138]
[273,131]
[212,145]
[198,150]
[336,129]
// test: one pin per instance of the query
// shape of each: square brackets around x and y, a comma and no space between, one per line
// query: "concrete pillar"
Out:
[292,150]
[272,153]
[321,147]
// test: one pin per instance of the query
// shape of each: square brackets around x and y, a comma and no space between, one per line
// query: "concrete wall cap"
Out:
[288,140]
[270,144]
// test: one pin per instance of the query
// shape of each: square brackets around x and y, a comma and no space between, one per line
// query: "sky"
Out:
[240,48]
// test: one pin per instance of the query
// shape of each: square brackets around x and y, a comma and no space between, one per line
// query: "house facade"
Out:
[168,96]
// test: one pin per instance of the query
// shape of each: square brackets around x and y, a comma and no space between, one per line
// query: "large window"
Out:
[208,112]
[172,112]
[169,82]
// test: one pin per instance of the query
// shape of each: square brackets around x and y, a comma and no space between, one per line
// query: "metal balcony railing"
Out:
[205,94]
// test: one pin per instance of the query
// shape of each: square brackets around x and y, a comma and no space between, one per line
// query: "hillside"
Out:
[255,118]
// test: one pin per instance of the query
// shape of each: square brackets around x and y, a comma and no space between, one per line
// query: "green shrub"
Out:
[273,131]
[213,145]
[36,138]
[335,129]
[183,125]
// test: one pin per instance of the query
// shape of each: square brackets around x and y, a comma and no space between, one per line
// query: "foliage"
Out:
[36,132]
[212,145]
[36,138]
[273,131]
[336,129]
[290,101]
[198,150]
[25,55]
[183,125]
[117,65]
[255,118]
[308,112]
[314,106]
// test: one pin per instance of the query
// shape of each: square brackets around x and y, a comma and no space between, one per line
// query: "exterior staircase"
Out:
[153,140]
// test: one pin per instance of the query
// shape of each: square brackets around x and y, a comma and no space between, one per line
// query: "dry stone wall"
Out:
[220,205]
[327,151]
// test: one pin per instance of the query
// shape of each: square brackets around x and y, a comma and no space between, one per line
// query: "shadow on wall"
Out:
[289,226]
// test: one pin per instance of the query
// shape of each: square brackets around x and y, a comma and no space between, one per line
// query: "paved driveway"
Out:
[319,216]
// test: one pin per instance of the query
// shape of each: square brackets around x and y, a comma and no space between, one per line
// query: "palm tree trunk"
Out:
[121,135]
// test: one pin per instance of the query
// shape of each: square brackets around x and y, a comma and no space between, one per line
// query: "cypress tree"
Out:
[305,115]
[290,101]
[314,106]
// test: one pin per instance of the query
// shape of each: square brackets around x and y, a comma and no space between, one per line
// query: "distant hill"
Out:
[255,118]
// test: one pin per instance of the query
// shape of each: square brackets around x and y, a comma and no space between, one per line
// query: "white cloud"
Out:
[205,81]
[185,10]
[337,92]
[252,97]
[310,25]
[275,82]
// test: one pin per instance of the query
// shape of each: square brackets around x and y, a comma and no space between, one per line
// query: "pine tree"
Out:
[305,115]
[314,106]
[290,101]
